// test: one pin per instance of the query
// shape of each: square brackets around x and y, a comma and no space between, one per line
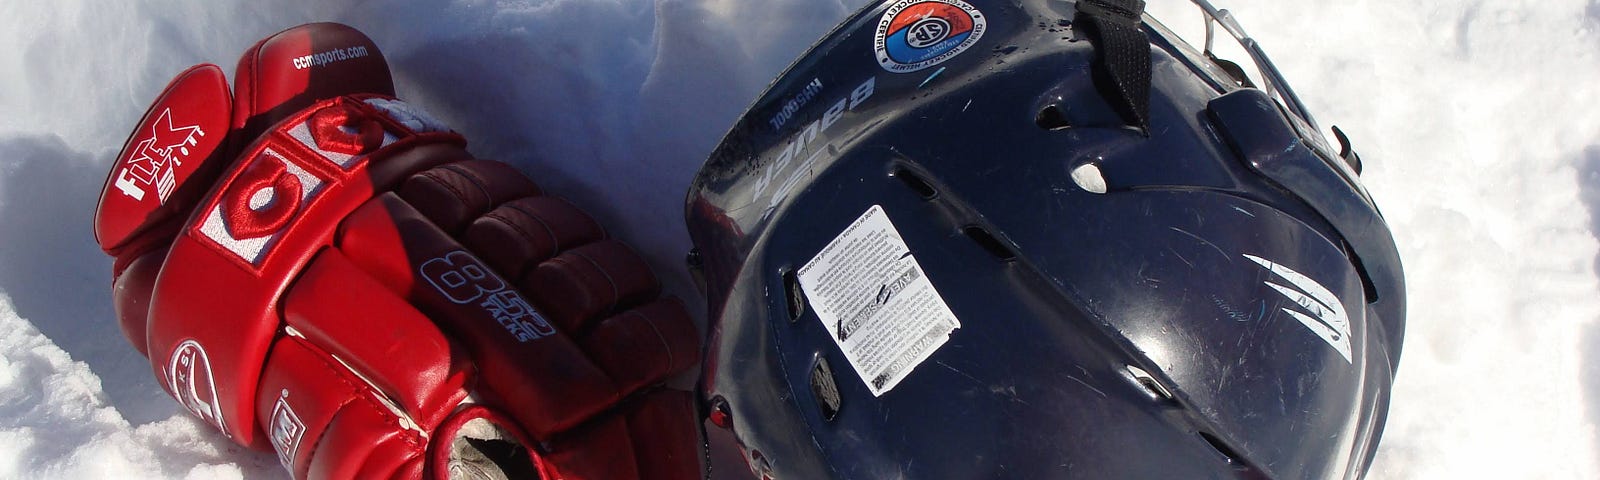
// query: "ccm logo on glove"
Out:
[271,191]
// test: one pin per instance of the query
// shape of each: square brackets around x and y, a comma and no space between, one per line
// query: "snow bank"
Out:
[55,422]
[1476,120]
[1478,123]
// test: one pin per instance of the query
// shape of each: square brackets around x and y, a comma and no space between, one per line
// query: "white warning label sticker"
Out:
[876,302]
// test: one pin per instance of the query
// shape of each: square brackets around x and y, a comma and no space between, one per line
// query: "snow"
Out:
[1476,120]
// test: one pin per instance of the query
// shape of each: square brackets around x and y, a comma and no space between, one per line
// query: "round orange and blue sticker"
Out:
[917,34]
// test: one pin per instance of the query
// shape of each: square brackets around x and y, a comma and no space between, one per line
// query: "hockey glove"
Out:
[315,267]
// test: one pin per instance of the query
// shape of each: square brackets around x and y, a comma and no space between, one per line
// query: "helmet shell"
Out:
[1215,297]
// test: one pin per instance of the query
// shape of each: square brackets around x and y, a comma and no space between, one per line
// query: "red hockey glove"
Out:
[315,267]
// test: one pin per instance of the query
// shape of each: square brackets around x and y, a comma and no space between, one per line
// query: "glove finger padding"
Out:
[361,295]
[522,233]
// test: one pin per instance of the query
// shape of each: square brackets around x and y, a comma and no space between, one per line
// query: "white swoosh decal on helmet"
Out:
[1327,317]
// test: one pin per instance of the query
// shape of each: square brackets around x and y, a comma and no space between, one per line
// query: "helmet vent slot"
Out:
[1051,118]
[824,389]
[794,296]
[1089,177]
[989,243]
[1222,448]
[1151,386]
[916,183]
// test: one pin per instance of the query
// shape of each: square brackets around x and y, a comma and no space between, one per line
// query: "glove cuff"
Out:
[477,442]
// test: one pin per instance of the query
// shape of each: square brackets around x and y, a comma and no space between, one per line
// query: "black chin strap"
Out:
[1121,67]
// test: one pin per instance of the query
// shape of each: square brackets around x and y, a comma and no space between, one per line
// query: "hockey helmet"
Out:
[1041,239]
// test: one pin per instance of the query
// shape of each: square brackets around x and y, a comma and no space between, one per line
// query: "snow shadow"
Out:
[1589,369]
[570,134]
[619,128]
[617,114]
[57,277]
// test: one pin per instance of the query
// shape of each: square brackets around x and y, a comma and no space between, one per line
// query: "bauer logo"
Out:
[189,378]
[917,34]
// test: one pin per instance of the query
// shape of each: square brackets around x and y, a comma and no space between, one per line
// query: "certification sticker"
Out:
[876,302]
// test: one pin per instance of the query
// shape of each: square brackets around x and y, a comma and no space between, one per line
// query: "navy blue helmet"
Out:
[1041,239]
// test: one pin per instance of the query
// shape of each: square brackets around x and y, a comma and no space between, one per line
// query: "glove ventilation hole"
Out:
[989,243]
[794,296]
[915,183]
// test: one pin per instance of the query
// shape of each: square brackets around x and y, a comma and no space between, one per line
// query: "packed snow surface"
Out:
[1477,121]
